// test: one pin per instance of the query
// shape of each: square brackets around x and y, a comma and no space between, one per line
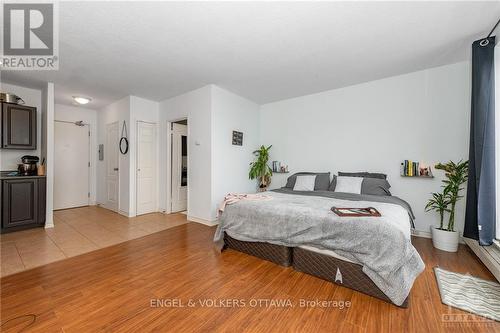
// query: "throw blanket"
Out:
[381,244]
[232,198]
[354,197]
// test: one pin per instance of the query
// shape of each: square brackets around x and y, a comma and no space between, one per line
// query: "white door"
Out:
[146,168]
[71,165]
[111,158]
[179,167]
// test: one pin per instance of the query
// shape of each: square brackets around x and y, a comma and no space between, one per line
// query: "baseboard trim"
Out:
[427,234]
[124,213]
[485,254]
[420,233]
[202,221]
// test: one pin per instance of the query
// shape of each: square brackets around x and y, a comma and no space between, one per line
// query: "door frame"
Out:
[89,184]
[136,160]
[168,208]
[106,161]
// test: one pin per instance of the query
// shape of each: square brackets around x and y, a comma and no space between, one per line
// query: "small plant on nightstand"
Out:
[456,175]
[259,169]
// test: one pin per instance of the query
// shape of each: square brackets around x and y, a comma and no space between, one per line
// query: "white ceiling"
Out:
[265,51]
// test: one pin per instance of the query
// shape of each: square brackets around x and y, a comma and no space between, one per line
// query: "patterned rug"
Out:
[469,293]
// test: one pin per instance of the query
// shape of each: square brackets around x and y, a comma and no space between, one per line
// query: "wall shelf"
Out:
[415,169]
[416,176]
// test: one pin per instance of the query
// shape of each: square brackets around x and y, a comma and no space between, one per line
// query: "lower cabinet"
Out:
[23,203]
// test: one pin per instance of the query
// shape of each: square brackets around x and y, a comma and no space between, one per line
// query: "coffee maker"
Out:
[28,165]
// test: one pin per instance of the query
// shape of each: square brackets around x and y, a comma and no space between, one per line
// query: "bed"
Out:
[297,228]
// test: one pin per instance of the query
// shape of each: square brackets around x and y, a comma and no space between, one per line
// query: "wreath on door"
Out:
[124,140]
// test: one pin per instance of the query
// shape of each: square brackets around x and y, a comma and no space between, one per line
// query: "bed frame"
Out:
[341,272]
[281,255]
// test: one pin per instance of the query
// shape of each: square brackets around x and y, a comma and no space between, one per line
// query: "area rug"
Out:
[469,293]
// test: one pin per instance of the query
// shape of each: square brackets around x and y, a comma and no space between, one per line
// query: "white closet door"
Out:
[146,168]
[71,165]
[179,167]
[112,172]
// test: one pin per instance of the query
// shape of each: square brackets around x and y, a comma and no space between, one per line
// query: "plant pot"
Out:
[444,240]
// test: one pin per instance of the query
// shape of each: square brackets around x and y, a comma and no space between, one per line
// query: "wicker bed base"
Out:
[335,270]
[328,268]
[278,254]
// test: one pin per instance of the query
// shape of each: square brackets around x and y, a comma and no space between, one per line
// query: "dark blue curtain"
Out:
[481,206]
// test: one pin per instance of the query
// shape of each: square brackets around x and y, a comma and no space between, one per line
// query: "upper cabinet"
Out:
[18,126]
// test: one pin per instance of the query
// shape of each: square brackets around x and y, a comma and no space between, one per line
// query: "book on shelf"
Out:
[278,167]
[411,168]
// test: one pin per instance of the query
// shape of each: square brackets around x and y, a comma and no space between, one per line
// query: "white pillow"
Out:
[304,183]
[349,184]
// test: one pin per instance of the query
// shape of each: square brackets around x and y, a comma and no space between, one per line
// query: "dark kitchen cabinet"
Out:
[23,203]
[18,126]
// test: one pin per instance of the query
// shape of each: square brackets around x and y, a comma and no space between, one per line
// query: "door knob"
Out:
[115,169]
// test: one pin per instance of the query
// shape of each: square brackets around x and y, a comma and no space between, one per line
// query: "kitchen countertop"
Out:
[5,175]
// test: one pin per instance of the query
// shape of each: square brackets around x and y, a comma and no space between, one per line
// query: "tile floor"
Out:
[76,231]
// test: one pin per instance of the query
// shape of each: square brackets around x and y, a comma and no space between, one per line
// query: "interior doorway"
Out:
[179,166]
[71,164]
[146,168]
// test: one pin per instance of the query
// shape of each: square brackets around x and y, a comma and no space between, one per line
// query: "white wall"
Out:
[88,116]
[10,158]
[118,111]
[48,148]
[196,107]
[374,126]
[230,164]
[130,109]
[215,166]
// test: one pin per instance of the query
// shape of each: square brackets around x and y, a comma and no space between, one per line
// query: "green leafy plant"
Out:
[439,203]
[456,175]
[259,168]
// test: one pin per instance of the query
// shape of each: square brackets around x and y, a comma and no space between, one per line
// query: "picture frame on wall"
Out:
[237,138]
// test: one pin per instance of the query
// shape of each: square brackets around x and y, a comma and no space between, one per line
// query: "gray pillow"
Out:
[333,184]
[321,184]
[375,186]
[364,175]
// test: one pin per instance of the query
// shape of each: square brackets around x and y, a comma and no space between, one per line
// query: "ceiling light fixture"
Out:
[81,100]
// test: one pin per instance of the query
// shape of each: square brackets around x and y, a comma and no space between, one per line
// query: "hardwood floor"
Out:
[76,231]
[113,290]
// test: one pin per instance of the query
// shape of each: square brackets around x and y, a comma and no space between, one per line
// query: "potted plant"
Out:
[259,169]
[439,203]
[446,238]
